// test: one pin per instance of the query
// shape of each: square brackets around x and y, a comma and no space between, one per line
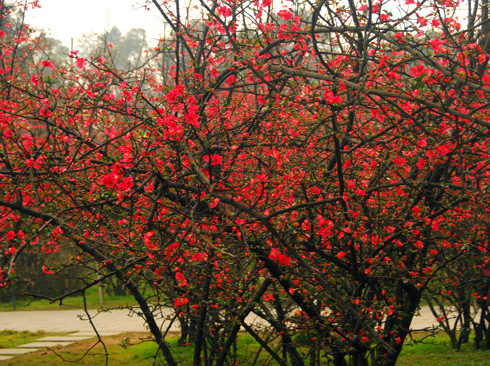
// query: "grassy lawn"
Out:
[12,339]
[437,351]
[138,354]
[124,349]
[132,349]
[73,302]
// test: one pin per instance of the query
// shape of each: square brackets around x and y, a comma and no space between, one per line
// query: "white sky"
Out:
[66,19]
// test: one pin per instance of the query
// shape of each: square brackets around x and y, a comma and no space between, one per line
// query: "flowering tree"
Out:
[304,163]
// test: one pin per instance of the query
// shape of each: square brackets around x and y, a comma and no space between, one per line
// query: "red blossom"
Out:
[125,184]
[199,257]
[268,297]
[47,271]
[331,98]
[285,14]
[341,254]
[384,17]
[181,301]
[110,180]
[192,119]
[279,257]
[399,161]
[47,63]
[224,11]
[147,239]
[182,281]
[443,149]
[172,97]
[81,62]
[418,71]
[436,23]
[35,163]
[34,80]
[230,80]
[214,159]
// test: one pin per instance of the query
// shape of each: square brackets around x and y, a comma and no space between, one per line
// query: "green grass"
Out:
[72,302]
[438,351]
[138,354]
[132,349]
[12,339]
[125,349]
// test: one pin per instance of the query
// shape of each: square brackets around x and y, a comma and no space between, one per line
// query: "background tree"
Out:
[125,51]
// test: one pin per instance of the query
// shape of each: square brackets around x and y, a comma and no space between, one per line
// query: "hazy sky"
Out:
[66,19]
